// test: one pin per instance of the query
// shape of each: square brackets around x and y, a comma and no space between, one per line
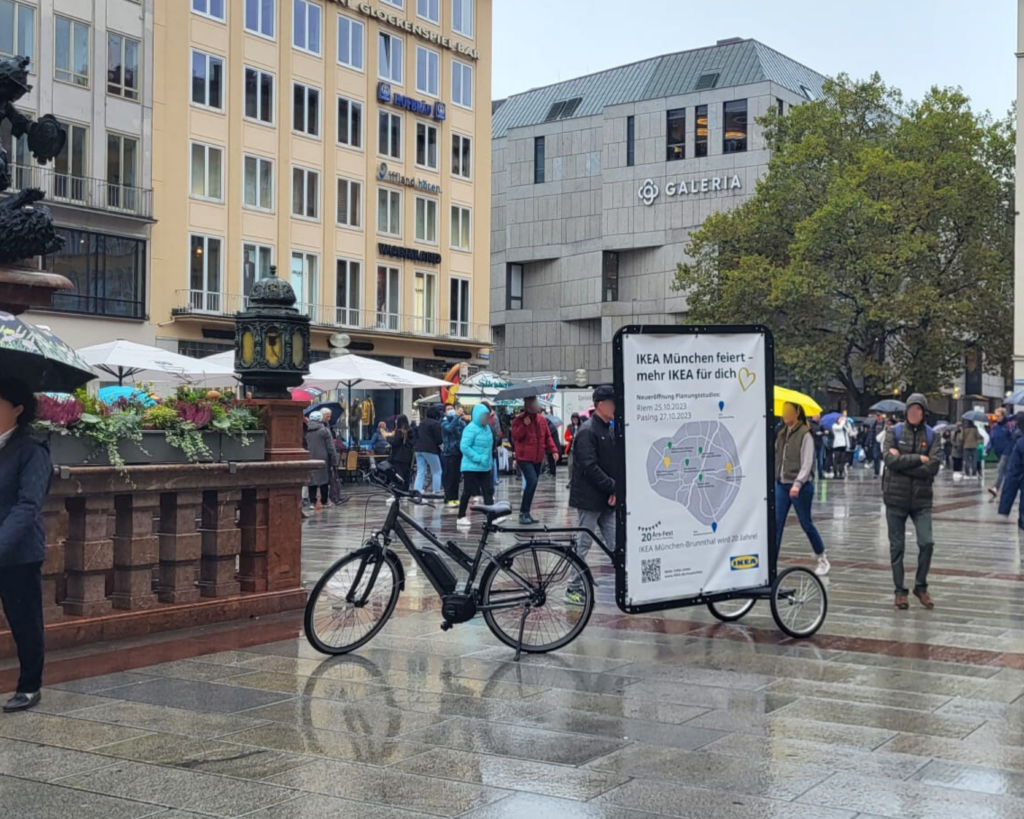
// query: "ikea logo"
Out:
[741,562]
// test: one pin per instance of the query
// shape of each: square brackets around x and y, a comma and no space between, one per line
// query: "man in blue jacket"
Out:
[452,427]
[1001,443]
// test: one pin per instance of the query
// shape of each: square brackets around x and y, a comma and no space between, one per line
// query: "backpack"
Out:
[929,434]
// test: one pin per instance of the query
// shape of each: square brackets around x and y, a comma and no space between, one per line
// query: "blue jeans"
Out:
[819,460]
[531,474]
[876,457]
[423,460]
[802,504]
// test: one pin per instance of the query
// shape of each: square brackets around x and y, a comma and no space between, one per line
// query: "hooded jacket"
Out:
[1001,439]
[532,440]
[477,442]
[907,481]
[452,428]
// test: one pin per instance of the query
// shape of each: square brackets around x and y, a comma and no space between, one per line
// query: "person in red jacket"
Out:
[531,438]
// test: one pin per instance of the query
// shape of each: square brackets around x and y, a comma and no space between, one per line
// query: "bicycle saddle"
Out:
[495,510]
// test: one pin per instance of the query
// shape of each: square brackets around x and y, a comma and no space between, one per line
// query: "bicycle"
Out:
[523,593]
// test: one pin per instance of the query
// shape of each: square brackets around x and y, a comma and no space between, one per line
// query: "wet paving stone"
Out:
[35,800]
[633,730]
[875,716]
[198,696]
[63,732]
[44,763]
[302,739]
[971,778]
[371,719]
[160,718]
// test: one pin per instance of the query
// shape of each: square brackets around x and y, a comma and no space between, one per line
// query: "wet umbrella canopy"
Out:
[40,359]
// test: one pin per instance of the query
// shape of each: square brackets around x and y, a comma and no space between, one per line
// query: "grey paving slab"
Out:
[533,806]
[199,696]
[58,701]
[512,774]
[647,673]
[997,732]
[91,685]
[708,696]
[303,686]
[457,705]
[876,716]
[971,778]
[621,728]
[856,693]
[189,670]
[44,762]
[373,719]
[983,709]
[176,788]
[574,661]
[994,756]
[516,741]
[543,676]
[388,787]
[317,806]
[911,664]
[23,799]
[63,732]
[617,706]
[302,739]
[161,718]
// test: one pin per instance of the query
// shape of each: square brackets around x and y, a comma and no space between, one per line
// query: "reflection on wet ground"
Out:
[884,714]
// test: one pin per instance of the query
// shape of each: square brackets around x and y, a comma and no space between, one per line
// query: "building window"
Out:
[256,261]
[429,10]
[207,80]
[108,274]
[389,135]
[514,287]
[538,160]
[388,293]
[676,130]
[350,43]
[734,136]
[398,4]
[461,155]
[610,276]
[462,84]
[389,212]
[209,8]
[426,220]
[122,173]
[349,278]
[258,183]
[389,57]
[700,145]
[630,141]
[306,193]
[71,52]
[460,227]
[122,66]
[71,166]
[303,280]
[426,146]
[424,303]
[780,105]
[808,93]
[428,69]
[350,123]
[350,197]
[462,17]
[204,281]
[259,17]
[306,110]
[207,172]
[17,31]
[306,26]
[459,308]
[259,95]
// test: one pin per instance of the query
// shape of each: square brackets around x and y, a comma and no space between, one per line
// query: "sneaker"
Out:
[574,597]
[925,598]
[462,523]
[823,565]
[452,504]
[329,505]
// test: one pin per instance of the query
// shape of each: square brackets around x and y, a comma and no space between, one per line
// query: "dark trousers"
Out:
[897,522]
[21,590]
[531,472]
[819,460]
[552,462]
[802,504]
[450,476]
[876,457]
[324,494]
[475,483]
[404,471]
[839,462]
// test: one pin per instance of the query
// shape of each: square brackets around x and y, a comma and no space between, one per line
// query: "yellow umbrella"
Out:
[784,396]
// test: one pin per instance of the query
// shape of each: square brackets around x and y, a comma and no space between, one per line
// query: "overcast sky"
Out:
[913,44]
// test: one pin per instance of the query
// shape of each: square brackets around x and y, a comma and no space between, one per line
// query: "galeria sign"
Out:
[649,190]
[406,25]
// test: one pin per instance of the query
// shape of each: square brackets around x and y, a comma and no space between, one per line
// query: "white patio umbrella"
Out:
[125,359]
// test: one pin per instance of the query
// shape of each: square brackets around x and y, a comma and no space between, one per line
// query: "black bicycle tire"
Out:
[776,615]
[307,621]
[731,618]
[512,641]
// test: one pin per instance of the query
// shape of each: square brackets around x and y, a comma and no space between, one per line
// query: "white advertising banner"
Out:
[696,464]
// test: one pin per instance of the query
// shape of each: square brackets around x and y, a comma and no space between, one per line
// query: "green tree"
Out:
[879,246]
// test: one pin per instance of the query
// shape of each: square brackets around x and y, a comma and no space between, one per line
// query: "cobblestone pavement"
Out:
[884,714]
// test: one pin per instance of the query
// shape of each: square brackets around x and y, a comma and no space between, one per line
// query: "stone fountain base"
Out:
[21,289]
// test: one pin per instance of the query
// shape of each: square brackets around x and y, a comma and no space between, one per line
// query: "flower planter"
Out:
[232,449]
[68,450]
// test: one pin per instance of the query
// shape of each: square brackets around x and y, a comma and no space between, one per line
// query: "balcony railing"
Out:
[83,191]
[208,303]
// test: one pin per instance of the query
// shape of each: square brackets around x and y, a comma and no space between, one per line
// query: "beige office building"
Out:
[345,143]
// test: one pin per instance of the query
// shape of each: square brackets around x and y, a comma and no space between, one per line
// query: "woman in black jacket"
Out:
[25,471]
[401,449]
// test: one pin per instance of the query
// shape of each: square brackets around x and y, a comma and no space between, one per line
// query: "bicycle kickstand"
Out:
[522,626]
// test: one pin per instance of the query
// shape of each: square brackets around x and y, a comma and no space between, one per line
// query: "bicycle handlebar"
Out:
[410,494]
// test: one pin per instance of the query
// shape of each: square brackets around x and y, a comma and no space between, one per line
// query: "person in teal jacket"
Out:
[477,454]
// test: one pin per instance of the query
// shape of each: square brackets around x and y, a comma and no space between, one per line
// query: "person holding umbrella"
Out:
[532,439]
[25,471]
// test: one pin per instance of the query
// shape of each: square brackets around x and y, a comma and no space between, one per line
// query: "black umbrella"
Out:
[527,390]
[888,405]
[37,357]
[976,416]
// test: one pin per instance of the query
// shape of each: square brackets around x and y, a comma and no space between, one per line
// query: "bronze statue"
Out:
[26,229]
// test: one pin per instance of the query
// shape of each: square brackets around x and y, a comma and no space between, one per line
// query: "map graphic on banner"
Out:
[699,468]
[695,415]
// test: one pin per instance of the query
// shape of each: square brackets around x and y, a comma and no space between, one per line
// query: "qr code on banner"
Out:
[650,570]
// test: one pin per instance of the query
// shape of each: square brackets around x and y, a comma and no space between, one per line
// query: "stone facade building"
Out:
[597,183]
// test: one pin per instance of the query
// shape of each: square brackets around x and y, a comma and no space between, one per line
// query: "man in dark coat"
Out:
[594,470]
[911,452]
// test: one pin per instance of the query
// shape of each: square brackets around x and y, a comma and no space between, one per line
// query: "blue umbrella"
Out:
[110,395]
[828,420]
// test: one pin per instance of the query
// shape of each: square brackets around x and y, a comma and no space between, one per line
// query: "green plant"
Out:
[190,441]
[160,417]
[109,429]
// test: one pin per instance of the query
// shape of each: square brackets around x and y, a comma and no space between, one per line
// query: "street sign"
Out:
[694,430]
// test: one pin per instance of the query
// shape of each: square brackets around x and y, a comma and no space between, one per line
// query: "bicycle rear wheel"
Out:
[352,601]
[560,596]
[799,602]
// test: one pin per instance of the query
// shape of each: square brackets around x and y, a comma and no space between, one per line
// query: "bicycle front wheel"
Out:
[352,601]
[551,585]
